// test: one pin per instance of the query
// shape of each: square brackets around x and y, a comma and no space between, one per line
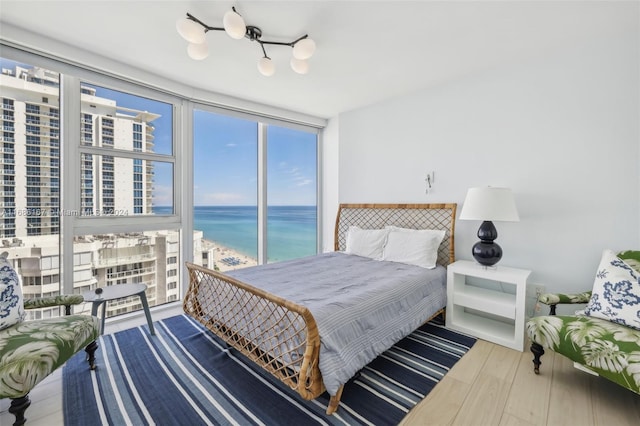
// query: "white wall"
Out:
[562,131]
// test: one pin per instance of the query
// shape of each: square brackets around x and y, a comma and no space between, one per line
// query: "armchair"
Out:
[604,339]
[31,350]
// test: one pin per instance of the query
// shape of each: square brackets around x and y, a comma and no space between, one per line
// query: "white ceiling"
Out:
[367,51]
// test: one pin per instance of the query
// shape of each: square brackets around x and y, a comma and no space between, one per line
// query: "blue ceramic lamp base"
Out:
[485,251]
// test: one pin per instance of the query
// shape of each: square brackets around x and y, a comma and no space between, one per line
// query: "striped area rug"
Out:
[186,376]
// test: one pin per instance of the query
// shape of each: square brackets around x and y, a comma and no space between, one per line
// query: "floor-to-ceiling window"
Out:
[116,200]
[93,184]
[225,193]
[291,193]
[236,159]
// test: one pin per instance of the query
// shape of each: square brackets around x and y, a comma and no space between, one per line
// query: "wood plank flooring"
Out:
[490,385]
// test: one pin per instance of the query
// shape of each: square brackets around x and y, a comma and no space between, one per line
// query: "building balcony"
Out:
[54,135]
[8,107]
[123,260]
[131,273]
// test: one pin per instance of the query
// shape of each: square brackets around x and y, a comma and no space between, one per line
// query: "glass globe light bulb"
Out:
[266,67]
[190,30]
[300,66]
[304,49]
[234,25]
[198,51]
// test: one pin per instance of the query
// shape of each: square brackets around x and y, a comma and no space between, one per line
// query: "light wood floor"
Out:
[490,385]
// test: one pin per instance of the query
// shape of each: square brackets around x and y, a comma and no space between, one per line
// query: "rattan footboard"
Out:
[282,336]
[278,335]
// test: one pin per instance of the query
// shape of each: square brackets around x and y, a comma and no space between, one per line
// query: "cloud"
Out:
[231,144]
[304,182]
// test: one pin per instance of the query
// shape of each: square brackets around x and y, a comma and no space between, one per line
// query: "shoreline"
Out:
[225,258]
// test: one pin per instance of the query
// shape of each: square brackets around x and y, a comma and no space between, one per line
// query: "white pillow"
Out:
[412,246]
[366,242]
[11,304]
[616,292]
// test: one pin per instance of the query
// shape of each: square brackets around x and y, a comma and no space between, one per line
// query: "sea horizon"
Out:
[291,229]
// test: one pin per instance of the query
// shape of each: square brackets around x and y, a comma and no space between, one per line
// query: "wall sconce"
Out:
[194,31]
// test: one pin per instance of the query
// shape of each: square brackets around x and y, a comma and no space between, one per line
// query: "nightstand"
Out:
[487,302]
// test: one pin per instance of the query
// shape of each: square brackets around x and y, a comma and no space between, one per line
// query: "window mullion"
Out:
[262,193]
[70,174]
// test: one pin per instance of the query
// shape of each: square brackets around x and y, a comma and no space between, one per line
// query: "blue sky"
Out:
[226,156]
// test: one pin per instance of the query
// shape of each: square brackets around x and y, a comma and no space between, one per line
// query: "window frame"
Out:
[184,100]
[263,122]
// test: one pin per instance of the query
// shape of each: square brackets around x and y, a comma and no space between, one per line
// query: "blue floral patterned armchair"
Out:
[605,337]
[31,350]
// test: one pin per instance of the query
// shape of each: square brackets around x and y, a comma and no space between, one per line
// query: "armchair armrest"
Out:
[65,300]
[553,299]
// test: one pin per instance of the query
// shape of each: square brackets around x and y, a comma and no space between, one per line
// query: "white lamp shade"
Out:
[234,25]
[266,67]
[198,51]
[304,49]
[190,30]
[489,203]
[300,66]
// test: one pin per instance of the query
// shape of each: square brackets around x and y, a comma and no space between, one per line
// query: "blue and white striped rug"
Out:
[186,376]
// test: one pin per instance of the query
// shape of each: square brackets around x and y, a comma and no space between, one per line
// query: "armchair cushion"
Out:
[11,304]
[616,292]
[31,350]
[609,349]
[60,300]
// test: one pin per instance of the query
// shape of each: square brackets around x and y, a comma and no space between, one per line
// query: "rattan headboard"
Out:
[415,216]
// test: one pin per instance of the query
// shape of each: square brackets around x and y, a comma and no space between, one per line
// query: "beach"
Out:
[226,259]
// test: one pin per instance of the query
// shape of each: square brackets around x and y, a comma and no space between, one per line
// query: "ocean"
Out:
[291,230]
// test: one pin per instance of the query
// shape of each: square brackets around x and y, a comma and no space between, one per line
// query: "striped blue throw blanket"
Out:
[186,376]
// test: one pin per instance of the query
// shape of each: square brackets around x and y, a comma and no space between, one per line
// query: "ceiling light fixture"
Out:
[194,31]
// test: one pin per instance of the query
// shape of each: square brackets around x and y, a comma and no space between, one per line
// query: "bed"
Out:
[272,315]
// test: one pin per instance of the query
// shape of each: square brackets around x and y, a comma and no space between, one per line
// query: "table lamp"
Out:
[488,204]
